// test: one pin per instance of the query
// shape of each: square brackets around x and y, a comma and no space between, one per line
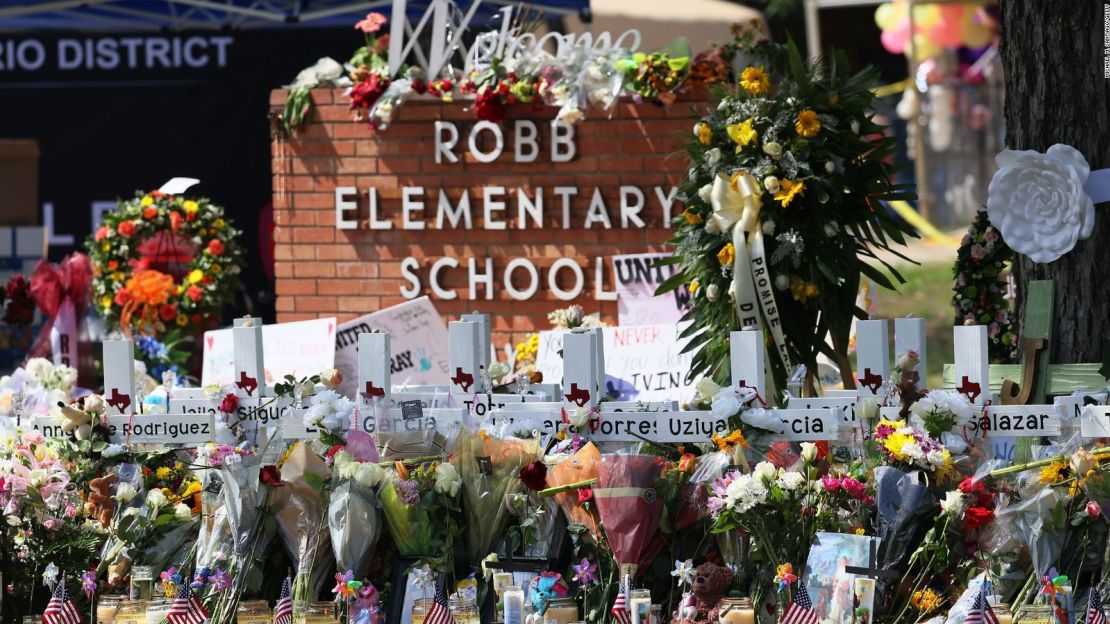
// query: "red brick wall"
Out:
[323,271]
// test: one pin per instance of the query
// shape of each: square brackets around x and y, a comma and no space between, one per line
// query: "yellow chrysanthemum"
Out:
[727,255]
[808,125]
[755,81]
[788,190]
[190,206]
[146,201]
[742,133]
[692,218]
[195,276]
[705,134]
[181,320]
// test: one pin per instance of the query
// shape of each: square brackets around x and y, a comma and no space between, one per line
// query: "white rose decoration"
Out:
[1038,203]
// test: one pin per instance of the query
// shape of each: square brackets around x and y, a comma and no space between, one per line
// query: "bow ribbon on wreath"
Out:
[61,292]
[736,202]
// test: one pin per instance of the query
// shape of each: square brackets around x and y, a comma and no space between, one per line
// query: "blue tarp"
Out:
[153,15]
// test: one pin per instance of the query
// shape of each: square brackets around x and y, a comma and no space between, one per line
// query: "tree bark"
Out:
[1056,92]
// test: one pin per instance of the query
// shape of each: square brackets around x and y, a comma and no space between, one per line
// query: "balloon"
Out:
[895,40]
[886,16]
[924,48]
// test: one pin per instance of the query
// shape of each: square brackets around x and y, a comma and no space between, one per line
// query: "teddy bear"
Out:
[99,504]
[711,581]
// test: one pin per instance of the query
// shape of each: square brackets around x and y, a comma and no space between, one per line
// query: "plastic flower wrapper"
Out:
[354,519]
[417,505]
[629,507]
[904,509]
[582,465]
[299,512]
[489,466]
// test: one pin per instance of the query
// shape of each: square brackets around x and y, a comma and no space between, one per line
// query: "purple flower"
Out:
[221,580]
[408,491]
[88,583]
[585,572]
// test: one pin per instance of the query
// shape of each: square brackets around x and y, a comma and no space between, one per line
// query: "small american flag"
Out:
[61,609]
[1094,608]
[801,608]
[186,608]
[620,608]
[440,613]
[981,612]
[283,610]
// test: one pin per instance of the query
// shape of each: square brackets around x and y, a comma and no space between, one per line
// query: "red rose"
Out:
[976,517]
[150,212]
[126,228]
[585,495]
[229,403]
[534,475]
[270,475]
[216,247]
[167,312]
[194,293]
[101,233]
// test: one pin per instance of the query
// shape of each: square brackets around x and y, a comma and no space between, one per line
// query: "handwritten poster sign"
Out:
[417,339]
[642,362]
[299,348]
[636,278]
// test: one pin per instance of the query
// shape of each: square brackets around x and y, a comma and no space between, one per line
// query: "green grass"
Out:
[927,293]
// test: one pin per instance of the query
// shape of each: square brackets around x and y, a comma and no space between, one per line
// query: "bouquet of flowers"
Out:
[419,504]
[353,516]
[489,467]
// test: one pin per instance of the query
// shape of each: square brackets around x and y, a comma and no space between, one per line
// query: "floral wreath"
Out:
[979,294]
[131,295]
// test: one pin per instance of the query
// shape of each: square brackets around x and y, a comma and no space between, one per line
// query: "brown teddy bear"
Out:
[99,505]
[711,581]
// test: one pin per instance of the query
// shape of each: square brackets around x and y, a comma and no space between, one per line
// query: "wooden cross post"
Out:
[871,570]
[747,360]
[579,370]
[872,356]
[119,378]
[374,369]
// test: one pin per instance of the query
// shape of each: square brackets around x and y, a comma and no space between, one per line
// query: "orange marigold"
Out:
[150,287]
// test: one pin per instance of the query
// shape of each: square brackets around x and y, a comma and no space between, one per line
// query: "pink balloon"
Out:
[896,40]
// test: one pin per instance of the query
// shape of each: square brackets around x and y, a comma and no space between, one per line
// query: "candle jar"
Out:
[254,612]
[131,612]
[561,611]
[420,609]
[1036,614]
[639,605]
[157,610]
[736,611]
[322,613]
[107,607]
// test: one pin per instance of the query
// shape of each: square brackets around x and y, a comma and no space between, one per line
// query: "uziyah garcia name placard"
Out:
[183,429]
[1019,421]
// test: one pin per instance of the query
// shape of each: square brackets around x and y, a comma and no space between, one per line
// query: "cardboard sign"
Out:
[636,278]
[1019,421]
[300,348]
[808,425]
[418,344]
[183,429]
[642,363]
[844,404]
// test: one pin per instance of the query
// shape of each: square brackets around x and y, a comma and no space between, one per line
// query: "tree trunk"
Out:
[1056,92]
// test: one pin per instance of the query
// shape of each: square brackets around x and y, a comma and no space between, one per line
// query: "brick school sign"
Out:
[515,219]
